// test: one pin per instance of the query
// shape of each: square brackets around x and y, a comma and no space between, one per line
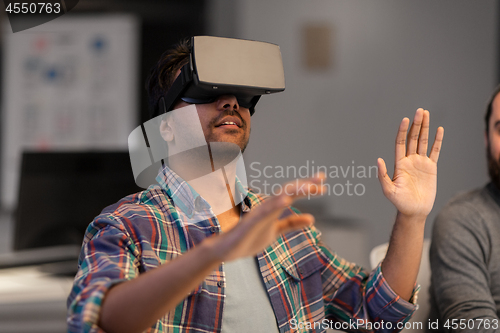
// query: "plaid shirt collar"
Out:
[188,200]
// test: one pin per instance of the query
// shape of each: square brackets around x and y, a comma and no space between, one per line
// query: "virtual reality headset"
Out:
[225,66]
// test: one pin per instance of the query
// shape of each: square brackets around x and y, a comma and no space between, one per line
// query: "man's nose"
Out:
[225,102]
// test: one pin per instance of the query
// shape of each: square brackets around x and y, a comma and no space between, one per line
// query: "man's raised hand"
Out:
[413,187]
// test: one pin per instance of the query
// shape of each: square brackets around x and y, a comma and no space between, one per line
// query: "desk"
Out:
[32,301]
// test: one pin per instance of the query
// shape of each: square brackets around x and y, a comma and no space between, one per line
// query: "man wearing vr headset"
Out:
[258,266]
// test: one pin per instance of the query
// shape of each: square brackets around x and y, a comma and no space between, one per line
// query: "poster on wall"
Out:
[70,84]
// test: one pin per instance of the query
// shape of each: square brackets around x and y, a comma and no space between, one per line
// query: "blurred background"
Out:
[353,70]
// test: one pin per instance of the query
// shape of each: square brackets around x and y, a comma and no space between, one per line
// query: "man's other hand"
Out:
[262,226]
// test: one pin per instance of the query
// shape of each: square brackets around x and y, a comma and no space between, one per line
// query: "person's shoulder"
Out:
[472,209]
[147,204]
[476,199]
[464,197]
[151,196]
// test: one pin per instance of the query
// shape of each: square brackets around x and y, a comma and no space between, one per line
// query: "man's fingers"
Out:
[270,208]
[414,132]
[305,187]
[436,146]
[423,139]
[401,139]
[294,222]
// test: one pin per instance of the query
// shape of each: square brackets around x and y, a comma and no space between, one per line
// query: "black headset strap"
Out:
[255,99]
[167,101]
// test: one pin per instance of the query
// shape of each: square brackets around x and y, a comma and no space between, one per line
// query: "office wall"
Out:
[388,58]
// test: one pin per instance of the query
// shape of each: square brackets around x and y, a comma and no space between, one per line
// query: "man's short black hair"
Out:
[162,75]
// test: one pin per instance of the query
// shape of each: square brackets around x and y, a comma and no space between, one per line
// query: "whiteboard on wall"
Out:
[69,84]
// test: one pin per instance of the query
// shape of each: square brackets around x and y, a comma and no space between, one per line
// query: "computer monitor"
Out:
[60,193]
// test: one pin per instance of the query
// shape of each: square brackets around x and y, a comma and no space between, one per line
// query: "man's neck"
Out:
[229,219]
[216,187]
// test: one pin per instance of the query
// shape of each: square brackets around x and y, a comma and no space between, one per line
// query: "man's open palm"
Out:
[413,188]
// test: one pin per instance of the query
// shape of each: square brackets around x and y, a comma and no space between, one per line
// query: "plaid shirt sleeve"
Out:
[312,289]
[353,295]
[108,257]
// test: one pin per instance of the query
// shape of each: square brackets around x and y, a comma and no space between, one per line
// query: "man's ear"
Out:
[166,128]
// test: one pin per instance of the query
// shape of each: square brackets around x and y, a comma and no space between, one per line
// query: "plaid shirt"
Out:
[309,287]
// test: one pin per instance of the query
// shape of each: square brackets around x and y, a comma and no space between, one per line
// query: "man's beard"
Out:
[493,168]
